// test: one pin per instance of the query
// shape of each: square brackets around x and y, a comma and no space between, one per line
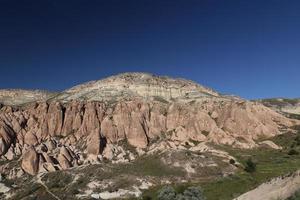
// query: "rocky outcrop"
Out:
[237,123]
[7,136]
[30,161]
[19,97]
[95,144]
[183,112]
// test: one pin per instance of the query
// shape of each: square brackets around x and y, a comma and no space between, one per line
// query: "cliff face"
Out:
[75,126]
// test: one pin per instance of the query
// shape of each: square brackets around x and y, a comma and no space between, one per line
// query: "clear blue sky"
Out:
[250,48]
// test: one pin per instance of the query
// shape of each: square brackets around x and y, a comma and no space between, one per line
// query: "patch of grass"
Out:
[27,191]
[270,163]
[148,166]
[57,180]
[292,116]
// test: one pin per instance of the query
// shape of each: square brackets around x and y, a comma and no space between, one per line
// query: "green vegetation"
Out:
[169,193]
[231,161]
[123,175]
[148,166]
[293,116]
[264,164]
[295,196]
[293,152]
[57,180]
[269,163]
[166,193]
[250,166]
[28,191]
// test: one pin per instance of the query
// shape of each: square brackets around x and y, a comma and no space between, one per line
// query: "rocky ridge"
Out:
[290,107]
[15,97]
[129,85]
[88,123]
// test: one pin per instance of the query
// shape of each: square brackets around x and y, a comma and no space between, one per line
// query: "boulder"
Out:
[30,161]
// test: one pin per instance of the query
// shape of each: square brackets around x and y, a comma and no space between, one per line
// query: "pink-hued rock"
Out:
[30,161]
[55,119]
[63,162]
[138,108]
[30,138]
[94,142]
[7,136]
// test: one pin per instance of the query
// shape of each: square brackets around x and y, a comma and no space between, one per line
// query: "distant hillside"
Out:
[289,107]
[19,96]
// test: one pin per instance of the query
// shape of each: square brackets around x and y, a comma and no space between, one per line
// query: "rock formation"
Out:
[289,107]
[137,108]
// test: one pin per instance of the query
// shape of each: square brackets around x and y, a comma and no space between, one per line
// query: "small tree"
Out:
[166,193]
[250,166]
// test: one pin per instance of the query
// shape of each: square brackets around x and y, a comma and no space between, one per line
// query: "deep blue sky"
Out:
[250,48]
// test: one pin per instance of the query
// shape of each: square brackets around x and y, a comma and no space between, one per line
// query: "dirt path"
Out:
[39,180]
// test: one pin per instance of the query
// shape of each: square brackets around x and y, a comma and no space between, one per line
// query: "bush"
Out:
[191,193]
[293,152]
[146,197]
[166,193]
[231,161]
[250,166]
[297,140]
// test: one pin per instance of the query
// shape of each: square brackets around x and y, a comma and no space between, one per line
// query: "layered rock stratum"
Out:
[16,97]
[289,107]
[87,123]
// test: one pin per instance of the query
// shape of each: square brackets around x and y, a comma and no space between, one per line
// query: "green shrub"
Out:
[231,161]
[146,197]
[191,193]
[297,140]
[166,193]
[250,166]
[293,152]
